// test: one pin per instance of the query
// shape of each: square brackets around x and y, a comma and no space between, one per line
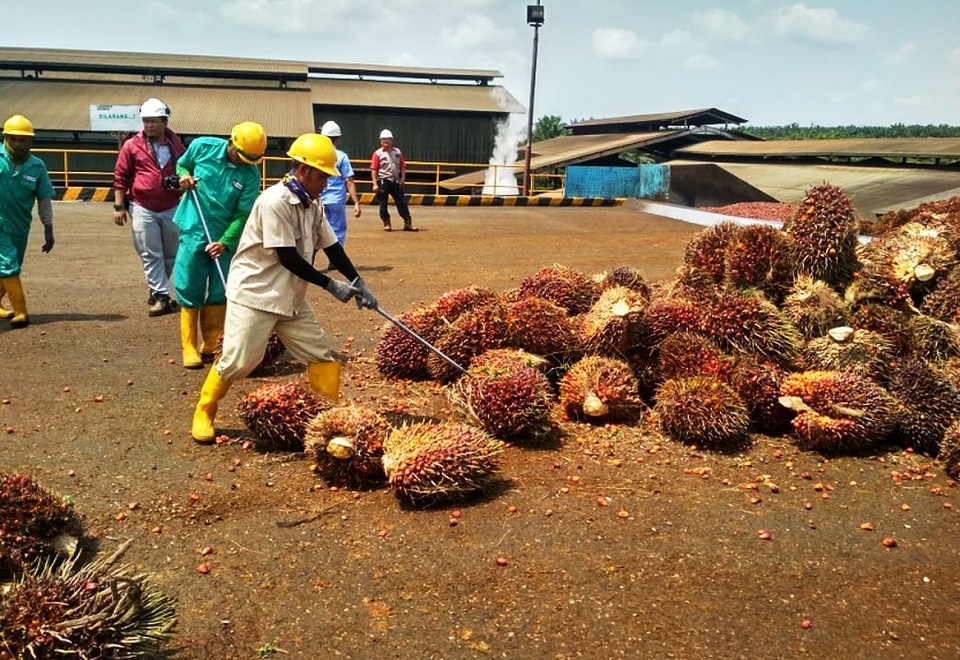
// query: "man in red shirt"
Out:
[389,172]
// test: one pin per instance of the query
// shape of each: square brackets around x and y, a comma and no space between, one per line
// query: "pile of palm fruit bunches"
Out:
[802,330]
[56,602]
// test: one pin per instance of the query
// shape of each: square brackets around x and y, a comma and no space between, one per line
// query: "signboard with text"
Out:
[115,118]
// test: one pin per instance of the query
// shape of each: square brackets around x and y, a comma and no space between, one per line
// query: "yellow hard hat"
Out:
[250,141]
[18,125]
[316,151]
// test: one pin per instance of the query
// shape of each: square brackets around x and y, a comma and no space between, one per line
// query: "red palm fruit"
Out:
[398,355]
[278,413]
[824,230]
[538,326]
[667,315]
[929,403]
[600,389]
[613,325]
[943,303]
[949,454]
[760,257]
[627,276]
[813,307]
[565,287]
[706,252]
[891,323]
[862,352]
[451,304]
[758,384]
[684,354]
[347,444]
[702,411]
[933,340]
[475,331]
[745,322]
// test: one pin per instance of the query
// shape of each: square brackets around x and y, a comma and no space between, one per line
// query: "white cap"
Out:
[330,129]
[385,134]
[153,108]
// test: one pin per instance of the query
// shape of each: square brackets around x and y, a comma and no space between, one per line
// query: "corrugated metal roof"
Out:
[420,96]
[701,117]
[65,106]
[871,189]
[866,147]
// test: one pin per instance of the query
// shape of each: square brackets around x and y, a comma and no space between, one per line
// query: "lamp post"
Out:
[534,18]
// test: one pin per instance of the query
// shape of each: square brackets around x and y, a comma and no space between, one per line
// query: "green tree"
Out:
[548,126]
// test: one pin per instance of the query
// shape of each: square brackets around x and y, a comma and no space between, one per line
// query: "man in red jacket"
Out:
[144,162]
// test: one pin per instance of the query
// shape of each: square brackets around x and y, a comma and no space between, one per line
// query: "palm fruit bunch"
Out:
[706,252]
[949,455]
[600,389]
[760,257]
[475,331]
[346,443]
[274,350]
[568,288]
[100,610]
[943,303]
[824,231]
[428,462]
[278,413]
[685,353]
[504,392]
[929,403]
[862,352]
[540,327]
[627,276]
[451,304]
[35,524]
[667,315]
[702,411]
[746,322]
[758,384]
[612,326]
[692,284]
[813,307]
[904,266]
[932,339]
[398,355]
[887,321]
[838,411]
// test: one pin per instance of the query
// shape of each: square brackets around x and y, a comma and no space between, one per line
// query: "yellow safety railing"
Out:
[67,167]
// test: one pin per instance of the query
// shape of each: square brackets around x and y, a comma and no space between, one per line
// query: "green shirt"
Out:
[20,187]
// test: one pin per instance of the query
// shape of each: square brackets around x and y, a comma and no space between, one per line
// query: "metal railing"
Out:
[94,167]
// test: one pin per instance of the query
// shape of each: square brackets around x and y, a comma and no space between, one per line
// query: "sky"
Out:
[771,62]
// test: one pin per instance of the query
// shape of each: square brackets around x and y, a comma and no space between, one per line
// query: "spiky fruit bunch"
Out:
[613,324]
[943,303]
[746,322]
[950,450]
[508,358]
[684,354]
[706,252]
[702,411]
[891,323]
[813,307]
[932,339]
[538,326]
[271,354]
[929,403]
[627,276]
[475,331]
[600,389]
[824,231]
[758,384]
[760,257]
[278,413]
[398,355]
[664,316]
[35,523]
[838,411]
[101,610]
[862,352]
[347,444]
[507,397]
[693,285]
[568,288]
[905,265]
[451,304]
[436,462]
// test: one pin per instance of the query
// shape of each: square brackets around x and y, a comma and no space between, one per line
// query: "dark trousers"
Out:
[393,189]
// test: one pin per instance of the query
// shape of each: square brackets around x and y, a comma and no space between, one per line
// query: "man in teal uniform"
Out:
[229,183]
[23,180]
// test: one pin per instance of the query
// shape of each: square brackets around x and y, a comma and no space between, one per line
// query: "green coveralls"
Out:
[20,187]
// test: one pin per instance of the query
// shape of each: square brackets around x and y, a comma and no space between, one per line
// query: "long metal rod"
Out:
[423,342]
[528,152]
[206,230]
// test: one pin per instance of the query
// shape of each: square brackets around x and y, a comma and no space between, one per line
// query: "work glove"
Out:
[340,290]
[47,238]
[365,297]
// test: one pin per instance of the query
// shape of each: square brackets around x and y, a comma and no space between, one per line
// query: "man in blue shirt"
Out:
[339,188]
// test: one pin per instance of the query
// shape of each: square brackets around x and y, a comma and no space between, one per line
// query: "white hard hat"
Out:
[153,108]
[385,134]
[330,129]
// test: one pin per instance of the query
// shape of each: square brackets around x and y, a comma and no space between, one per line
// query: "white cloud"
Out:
[722,24]
[617,44]
[821,25]
[871,85]
[700,62]
[284,16]
[472,31]
[954,56]
[902,54]
[679,40]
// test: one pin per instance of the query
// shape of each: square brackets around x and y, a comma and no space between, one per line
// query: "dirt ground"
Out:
[617,542]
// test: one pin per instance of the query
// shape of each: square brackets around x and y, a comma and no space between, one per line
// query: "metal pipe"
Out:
[206,230]
[423,342]
[533,87]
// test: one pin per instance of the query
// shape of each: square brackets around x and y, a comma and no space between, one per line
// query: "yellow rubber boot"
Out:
[214,388]
[211,327]
[324,379]
[4,313]
[17,300]
[188,337]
